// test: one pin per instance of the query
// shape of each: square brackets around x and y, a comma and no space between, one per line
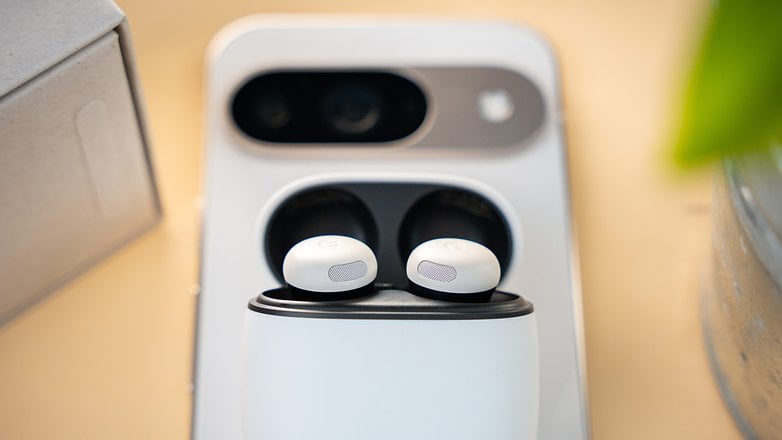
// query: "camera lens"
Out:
[273,110]
[351,108]
[322,107]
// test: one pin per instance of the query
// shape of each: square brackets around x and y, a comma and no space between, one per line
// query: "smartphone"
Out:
[392,131]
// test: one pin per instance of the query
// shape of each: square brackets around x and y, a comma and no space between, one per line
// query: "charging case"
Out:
[390,365]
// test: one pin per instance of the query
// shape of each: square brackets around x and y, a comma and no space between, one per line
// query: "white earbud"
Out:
[329,266]
[453,269]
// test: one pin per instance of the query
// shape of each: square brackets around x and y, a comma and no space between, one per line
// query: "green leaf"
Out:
[733,101]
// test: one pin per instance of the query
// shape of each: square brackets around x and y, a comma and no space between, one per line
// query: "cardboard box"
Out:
[76,179]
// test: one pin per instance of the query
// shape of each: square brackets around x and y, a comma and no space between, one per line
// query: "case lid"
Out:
[35,35]
[389,304]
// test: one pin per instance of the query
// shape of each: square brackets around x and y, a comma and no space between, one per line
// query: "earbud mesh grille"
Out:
[436,272]
[341,273]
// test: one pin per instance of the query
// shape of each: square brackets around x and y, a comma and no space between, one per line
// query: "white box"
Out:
[75,175]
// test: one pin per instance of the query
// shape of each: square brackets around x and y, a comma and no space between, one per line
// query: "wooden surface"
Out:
[109,356]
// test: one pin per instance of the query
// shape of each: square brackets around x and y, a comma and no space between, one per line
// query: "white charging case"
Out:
[390,366]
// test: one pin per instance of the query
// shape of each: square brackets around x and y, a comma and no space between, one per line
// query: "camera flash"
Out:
[495,105]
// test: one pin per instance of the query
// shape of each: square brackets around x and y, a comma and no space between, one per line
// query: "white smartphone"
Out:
[392,131]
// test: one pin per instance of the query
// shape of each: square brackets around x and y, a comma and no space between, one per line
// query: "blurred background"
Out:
[110,355]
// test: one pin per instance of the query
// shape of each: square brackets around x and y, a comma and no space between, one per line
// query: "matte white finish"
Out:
[75,173]
[310,263]
[62,28]
[351,379]
[475,268]
[246,181]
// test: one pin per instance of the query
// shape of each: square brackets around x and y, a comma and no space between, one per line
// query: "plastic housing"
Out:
[390,366]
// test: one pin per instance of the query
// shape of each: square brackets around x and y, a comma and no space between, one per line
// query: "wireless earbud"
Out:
[453,269]
[329,267]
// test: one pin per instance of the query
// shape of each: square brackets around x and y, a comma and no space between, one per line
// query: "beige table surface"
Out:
[109,356]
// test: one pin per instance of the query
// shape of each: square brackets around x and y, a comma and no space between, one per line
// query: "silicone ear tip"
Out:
[453,265]
[329,263]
